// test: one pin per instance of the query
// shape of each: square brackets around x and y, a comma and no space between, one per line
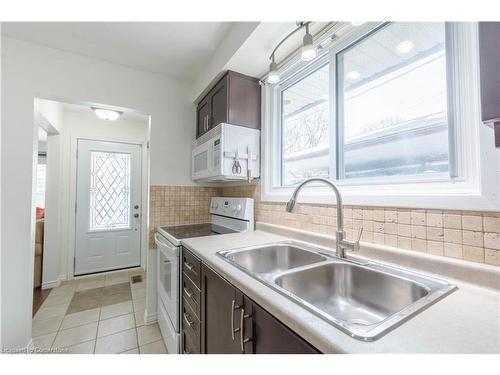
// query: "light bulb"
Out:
[353,75]
[405,46]
[308,51]
[273,76]
[106,114]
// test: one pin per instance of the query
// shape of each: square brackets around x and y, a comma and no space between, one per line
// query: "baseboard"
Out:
[150,318]
[51,284]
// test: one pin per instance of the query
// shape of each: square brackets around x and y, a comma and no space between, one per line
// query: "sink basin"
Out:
[269,260]
[355,295]
[366,301]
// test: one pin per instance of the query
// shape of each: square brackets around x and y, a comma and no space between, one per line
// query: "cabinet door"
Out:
[202,117]
[270,336]
[220,311]
[218,103]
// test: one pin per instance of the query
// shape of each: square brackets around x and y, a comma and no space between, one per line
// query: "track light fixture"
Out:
[308,51]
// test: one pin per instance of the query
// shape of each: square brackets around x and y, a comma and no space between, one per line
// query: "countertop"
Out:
[466,321]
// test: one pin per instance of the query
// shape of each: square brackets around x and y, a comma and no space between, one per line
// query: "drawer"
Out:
[191,266]
[191,294]
[191,324]
[189,346]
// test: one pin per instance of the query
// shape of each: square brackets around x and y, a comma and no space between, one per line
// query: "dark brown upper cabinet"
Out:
[234,99]
[489,57]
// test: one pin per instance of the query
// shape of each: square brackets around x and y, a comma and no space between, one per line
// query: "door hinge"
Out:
[147,144]
[74,264]
[75,207]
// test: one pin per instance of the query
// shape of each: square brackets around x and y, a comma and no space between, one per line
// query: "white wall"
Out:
[29,71]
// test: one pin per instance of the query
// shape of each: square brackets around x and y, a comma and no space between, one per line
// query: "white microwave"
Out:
[226,153]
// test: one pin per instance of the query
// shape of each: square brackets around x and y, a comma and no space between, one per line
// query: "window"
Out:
[392,106]
[390,112]
[305,128]
[41,177]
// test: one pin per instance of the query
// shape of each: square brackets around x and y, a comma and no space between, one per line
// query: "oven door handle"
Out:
[166,248]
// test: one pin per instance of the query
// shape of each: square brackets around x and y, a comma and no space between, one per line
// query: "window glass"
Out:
[305,128]
[392,103]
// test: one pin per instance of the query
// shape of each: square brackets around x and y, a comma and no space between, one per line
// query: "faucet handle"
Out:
[360,232]
[356,242]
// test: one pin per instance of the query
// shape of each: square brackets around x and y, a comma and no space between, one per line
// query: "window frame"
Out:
[472,184]
[304,73]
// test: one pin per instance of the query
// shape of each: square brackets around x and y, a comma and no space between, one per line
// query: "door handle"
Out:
[243,341]
[233,307]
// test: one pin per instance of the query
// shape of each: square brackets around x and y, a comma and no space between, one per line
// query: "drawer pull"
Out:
[233,307]
[189,266]
[242,340]
[189,292]
[188,320]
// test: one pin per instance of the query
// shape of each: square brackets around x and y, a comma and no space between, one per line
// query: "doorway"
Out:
[108,206]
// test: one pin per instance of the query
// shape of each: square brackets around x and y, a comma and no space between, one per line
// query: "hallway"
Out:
[97,314]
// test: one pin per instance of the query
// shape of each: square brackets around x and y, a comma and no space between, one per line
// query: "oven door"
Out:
[168,279]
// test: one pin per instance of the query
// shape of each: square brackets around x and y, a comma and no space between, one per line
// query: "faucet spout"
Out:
[341,242]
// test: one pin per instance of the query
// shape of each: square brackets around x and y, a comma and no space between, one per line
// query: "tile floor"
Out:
[97,314]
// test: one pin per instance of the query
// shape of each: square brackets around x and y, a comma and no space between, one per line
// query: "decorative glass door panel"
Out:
[109,191]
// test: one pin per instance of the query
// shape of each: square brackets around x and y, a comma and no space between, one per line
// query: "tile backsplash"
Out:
[177,205]
[468,235]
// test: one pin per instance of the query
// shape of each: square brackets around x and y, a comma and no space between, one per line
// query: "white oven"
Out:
[226,152]
[227,215]
[168,292]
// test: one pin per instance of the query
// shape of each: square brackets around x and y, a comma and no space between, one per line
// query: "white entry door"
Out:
[108,198]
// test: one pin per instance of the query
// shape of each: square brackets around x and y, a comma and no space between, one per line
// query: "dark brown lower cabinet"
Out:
[231,323]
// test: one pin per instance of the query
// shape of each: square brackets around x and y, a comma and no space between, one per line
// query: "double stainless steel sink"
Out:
[365,300]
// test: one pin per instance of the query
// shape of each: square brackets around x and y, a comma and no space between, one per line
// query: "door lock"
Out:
[136,206]
[136,215]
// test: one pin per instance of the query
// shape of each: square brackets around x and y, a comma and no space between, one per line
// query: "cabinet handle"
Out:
[233,307]
[188,320]
[189,266]
[189,292]
[242,340]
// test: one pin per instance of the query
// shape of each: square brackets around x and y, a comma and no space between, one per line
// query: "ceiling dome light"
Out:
[405,47]
[107,114]
[308,51]
[353,75]
[273,76]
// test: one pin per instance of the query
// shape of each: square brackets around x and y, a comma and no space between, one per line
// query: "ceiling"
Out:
[127,115]
[178,49]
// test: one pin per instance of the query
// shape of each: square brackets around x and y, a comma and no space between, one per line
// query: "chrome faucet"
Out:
[341,243]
